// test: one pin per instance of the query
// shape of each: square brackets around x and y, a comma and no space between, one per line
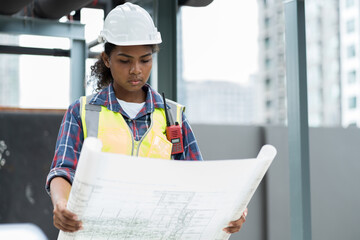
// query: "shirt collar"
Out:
[106,97]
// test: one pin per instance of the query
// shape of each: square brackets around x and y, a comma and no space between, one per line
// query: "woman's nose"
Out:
[135,68]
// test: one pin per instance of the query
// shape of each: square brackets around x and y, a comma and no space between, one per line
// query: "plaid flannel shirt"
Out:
[71,137]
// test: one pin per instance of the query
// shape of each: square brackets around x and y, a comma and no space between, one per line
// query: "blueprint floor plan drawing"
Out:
[133,198]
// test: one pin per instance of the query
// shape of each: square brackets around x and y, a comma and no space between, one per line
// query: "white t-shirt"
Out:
[131,109]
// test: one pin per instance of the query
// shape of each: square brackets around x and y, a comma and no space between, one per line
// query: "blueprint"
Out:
[133,198]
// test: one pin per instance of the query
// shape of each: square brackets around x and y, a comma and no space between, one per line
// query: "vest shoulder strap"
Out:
[84,102]
[175,111]
[91,114]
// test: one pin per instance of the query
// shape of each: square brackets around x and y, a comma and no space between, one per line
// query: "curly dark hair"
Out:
[101,73]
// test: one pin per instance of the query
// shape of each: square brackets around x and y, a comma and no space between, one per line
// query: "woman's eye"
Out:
[146,60]
[124,61]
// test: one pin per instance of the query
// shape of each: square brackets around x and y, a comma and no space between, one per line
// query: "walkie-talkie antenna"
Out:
[166,112]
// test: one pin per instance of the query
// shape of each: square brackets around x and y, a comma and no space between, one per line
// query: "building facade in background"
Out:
[221,102]
[272,60]
[350,61]
[323,61]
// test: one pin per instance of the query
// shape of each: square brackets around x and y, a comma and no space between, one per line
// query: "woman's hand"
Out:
[64,219]
[235,226]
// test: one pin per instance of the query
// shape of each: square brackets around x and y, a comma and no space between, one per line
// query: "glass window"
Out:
[267,63]
[351,51]
[267,42]
[350,26]
[268,83]
[267,22]
[351,76]
[268,103]
[352,102]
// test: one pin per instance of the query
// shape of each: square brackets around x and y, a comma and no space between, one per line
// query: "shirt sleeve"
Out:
[191,148]
[68,146]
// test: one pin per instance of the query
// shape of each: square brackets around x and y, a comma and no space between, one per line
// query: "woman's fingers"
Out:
[235,226]
[66,226]
[64,219]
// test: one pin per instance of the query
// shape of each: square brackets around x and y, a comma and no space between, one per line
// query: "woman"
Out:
[128,114]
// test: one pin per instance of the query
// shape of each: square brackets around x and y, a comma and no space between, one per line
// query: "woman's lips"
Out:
[135,81]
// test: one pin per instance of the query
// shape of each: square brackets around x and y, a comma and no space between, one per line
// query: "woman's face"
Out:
[130,68]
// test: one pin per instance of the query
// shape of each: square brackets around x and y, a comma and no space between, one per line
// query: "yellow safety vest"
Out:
[111,128]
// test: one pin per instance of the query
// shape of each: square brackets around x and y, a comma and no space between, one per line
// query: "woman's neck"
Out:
[135,97]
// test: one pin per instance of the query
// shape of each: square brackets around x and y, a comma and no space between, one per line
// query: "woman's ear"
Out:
[105,59]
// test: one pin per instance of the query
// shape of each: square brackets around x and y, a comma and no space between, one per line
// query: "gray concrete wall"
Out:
[334,173]
[233,142]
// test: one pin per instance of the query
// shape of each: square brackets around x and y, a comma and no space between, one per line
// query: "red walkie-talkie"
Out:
[173,133]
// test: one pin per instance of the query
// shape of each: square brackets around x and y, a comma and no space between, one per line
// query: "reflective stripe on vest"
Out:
[112,129]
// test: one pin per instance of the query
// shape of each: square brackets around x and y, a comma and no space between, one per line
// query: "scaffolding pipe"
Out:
[51,9]
[194,3]
[10,7]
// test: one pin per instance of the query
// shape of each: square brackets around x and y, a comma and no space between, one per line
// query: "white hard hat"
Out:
[129,24]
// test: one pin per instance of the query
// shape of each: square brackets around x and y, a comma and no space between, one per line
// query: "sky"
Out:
[219,44]
[220,41]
